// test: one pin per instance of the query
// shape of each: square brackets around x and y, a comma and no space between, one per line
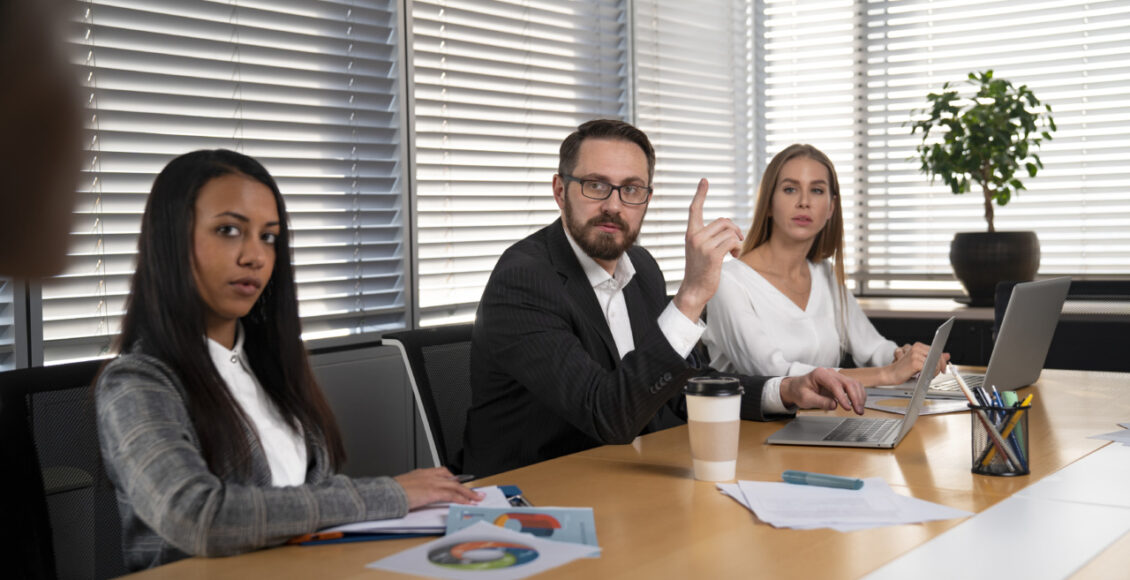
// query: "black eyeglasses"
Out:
[629,194]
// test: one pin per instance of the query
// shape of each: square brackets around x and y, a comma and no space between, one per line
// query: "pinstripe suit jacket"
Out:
[546,378]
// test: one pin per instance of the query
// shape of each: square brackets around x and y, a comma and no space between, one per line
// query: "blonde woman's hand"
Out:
[909,359]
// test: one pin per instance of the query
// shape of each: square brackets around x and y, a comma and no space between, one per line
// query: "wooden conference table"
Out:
[654,521]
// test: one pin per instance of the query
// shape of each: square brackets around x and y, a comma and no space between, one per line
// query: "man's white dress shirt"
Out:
[681,333]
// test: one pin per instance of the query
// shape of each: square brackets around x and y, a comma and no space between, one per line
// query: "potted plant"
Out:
[986,139]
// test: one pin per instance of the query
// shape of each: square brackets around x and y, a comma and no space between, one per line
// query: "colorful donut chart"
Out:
[482,555]
[541,525]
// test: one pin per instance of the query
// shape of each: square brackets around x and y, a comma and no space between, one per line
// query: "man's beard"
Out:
[597,244]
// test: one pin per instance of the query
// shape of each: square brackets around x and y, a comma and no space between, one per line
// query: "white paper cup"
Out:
[713,411]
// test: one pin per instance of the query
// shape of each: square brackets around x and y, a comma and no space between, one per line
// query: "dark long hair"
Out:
[165,316]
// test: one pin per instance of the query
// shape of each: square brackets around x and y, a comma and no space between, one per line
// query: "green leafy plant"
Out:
[983,139]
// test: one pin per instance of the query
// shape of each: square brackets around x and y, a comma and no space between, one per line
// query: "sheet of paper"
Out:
[810,507]
[1121,436]
[429,518]
[785,504]
[560,524]
[732,490]
[929,406]
[484,551]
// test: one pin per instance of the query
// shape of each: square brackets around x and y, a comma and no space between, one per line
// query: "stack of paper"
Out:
[1120,436]
[486,543]
[429,519]
[785,505]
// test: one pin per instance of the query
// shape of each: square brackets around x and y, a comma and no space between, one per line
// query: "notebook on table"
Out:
[866,431]
[1021,347]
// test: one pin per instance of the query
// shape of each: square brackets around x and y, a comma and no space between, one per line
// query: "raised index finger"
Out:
[695,221]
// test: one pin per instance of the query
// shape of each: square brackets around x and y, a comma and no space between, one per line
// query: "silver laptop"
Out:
[1021,346]
[861,431]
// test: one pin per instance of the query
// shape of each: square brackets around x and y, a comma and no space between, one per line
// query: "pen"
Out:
[464,477]
[998,402]
[1020,434]
[980,396]
[316,536]
[519,501]
[821,479]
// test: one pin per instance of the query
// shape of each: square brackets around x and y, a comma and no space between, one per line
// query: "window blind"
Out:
[810,93]
[846,77]
[694,98]
[496,86]
[309,89]
[10,319]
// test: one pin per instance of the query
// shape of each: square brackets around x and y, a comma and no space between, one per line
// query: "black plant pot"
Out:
[981,259]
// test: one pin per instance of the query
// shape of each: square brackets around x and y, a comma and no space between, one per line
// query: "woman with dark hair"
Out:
[212,426]
[783,307]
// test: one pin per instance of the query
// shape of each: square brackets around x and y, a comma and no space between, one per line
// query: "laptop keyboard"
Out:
[950,384]
[852,429]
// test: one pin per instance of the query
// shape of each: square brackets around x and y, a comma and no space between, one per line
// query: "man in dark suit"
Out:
[575,342]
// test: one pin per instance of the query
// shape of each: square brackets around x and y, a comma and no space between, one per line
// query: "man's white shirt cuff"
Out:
[681,332]
[771,398]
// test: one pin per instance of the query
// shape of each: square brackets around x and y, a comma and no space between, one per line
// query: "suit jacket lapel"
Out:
[577,285]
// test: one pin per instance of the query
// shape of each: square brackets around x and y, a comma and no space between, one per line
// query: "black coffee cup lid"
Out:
[713,387]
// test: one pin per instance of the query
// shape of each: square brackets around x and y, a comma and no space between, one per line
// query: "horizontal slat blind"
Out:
[497,86]
[810,93]
[8,322]
[694,99]
[847,76]
[306,88]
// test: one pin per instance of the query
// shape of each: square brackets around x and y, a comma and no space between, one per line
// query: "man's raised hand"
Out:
[706,246]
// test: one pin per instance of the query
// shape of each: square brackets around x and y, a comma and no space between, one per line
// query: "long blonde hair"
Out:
[829,243]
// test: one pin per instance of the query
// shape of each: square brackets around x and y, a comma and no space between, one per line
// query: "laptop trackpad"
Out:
[806,429]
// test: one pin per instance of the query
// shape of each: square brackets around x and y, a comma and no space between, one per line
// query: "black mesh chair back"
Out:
[52,459]
[439,364]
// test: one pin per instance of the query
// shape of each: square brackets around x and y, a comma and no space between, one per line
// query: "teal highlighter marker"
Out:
[821,479]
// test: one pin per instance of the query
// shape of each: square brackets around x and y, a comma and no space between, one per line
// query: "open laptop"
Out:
[1021,346]
[866,431]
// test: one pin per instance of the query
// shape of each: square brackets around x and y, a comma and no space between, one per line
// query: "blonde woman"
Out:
[782,308]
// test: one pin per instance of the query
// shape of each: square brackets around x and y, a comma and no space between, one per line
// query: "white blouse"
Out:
[753,328]
[284,447]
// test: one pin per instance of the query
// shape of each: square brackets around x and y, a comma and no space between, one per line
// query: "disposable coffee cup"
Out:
[713,410]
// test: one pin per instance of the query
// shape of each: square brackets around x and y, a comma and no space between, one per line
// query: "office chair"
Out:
[439,364]
[54,476]
[1095,345]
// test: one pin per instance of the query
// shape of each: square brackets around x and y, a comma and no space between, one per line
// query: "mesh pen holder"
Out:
[1006,453]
